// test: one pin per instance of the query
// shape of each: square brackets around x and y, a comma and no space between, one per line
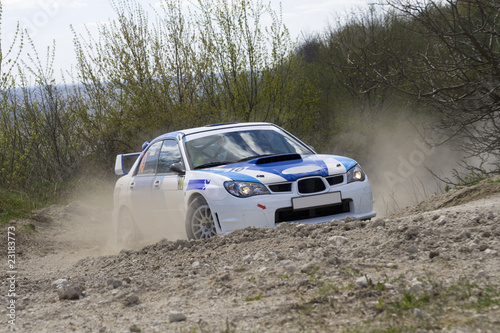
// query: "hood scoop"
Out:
[278,158]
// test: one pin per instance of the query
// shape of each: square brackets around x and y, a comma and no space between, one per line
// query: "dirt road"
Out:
[430,268]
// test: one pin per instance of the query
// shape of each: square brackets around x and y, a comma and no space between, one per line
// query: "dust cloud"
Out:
[92,221]
[404,169]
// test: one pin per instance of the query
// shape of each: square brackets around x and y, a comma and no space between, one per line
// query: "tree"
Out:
[217,64]
[457,73]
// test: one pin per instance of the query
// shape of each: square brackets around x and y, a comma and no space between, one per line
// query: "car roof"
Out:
[209,128]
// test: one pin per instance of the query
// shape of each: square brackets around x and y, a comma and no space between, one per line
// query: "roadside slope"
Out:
[424,271]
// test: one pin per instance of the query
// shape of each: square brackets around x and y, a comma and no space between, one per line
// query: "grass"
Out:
[16,205]
[254,298]
[438,306]
[441,308]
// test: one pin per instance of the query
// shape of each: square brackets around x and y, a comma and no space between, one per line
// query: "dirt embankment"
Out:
[434,267]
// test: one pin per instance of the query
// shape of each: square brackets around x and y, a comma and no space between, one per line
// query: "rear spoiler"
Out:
[124,163]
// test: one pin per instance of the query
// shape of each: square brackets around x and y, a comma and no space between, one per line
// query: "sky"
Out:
[49,20]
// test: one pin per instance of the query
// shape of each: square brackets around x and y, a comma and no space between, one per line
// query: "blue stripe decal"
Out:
[347,162]
[234,171]
[237,177]
[198,184]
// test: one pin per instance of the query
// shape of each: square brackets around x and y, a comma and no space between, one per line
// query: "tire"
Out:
[199,220]
[126,231]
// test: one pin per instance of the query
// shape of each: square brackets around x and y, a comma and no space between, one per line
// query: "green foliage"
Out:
[17,205]
[439,309]
[138,79]
[13,205]
[218,64]
[409,302]
[254,298]
[468,180]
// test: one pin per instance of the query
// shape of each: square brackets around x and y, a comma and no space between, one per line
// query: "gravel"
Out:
[329,277]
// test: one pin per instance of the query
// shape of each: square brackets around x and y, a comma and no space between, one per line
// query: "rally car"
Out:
[207,181]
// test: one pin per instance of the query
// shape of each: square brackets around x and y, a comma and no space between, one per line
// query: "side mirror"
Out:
[178,168]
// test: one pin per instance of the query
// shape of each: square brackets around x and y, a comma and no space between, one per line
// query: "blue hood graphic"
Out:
[289,170]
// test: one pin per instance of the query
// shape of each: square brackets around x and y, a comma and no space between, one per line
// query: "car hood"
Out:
[282,168]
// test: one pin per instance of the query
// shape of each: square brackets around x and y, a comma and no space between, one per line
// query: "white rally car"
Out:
[211,180]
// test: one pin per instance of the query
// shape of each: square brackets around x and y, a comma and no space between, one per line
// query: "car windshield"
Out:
[237,146]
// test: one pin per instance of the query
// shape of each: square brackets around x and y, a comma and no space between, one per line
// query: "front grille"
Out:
[311,185]
[288,214]
[285,187]
[334,180]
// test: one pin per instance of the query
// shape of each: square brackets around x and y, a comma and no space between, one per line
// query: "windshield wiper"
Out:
[212,164]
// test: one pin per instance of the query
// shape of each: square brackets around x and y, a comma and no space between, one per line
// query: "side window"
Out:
[169,155]
[149,160]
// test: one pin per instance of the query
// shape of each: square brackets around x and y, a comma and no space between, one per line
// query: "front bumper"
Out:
[232,213]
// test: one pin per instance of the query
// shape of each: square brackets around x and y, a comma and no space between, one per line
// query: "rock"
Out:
[486,234]
[412,249]
[388,286]
[337,240]
[288,265]
[59,283]
[377,223]
[195,264]
[247,259]
[71,292]
[308,268]
[364,281]
[176,316]
[433,254]
[416,286]
[114,283]
[441,220]
[334,222]
[483,247]
[491,252]
[349,219]
[131,300]
[412,233]
[465,234]
[135,329]
[358,224]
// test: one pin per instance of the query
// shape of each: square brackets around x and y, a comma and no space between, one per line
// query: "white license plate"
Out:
[317,200]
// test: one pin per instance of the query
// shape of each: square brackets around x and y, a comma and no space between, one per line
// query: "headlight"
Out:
[245,189]
[355,174]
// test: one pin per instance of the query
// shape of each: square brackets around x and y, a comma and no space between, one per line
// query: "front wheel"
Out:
[199,220]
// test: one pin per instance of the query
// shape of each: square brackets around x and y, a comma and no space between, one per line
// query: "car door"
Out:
[141,185]
[167,192]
